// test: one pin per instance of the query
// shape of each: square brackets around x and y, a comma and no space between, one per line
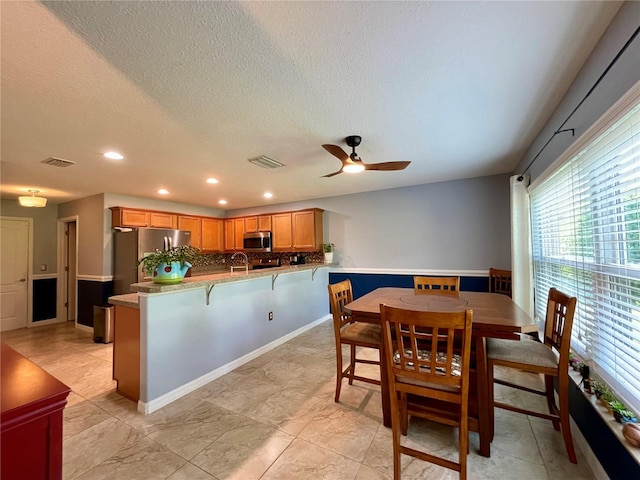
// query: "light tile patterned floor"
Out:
[273,418]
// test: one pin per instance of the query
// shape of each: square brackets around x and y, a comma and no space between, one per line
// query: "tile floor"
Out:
[272,418]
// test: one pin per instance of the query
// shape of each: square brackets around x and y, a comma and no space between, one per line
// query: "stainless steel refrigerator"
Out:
[129,246]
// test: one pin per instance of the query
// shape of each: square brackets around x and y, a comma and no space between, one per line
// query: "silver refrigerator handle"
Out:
[170,242]
[165,243]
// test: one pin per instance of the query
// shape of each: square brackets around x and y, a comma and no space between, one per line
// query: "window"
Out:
[586,242]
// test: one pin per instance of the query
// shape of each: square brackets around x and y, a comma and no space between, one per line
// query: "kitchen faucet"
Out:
[246,261]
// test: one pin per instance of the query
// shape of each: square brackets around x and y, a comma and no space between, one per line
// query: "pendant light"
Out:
[32,201]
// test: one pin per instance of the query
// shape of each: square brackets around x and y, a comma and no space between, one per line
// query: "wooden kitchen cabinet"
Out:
[126,351]
[307,230]
[229,235]
[282,237]
[194,225]
[129,217]
[125,217]
[260,223]
[162,220]
[212,234]
[238,231]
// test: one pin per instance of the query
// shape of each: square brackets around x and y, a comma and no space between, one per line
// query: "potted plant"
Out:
[627,416]
[169,266]
[616,407]
[328,249]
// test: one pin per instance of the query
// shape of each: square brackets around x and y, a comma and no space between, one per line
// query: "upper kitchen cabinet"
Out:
[194,225]
[297,231]
[307,230]
[128,217]
[212,234]
[260,223]
[234,234]
[282,236]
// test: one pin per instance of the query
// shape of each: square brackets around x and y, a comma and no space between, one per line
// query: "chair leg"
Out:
[352,372]
[404,415]
[396,427]
[463,446]
[338,372]
[563,387]
[491,400]
[551,400]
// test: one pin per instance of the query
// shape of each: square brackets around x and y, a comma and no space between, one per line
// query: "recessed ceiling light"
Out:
[222,202]
[268,195]
[163,191]
[113,155]
[212,180]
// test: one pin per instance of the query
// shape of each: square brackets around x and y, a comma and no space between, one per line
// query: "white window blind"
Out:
[586,242]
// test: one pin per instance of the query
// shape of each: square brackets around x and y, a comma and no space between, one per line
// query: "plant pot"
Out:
[328,257]
[170,274]
[617,416]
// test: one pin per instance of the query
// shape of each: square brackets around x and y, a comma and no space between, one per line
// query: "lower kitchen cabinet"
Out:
[126,351]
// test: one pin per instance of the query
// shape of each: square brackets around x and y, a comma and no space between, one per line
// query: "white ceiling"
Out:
[191,90]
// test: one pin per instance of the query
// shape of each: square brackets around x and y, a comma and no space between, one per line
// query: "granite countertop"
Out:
[126,300]
[224,277]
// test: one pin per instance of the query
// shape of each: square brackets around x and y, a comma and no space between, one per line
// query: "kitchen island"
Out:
[195,331]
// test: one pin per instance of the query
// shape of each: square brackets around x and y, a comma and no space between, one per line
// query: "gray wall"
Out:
[90,230]
[461,225]
[44,232]
[618,81]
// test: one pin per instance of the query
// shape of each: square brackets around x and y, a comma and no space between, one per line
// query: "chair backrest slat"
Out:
[432,347]
[500,281]
[559,322]
[340,294]
[442,285]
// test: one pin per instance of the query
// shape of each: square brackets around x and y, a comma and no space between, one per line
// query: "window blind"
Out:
[586,242]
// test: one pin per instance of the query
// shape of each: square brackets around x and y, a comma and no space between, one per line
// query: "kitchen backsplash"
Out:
[221,259]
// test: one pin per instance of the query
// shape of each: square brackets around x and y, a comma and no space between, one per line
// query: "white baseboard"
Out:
[48,321]
[157,403]
[86,328]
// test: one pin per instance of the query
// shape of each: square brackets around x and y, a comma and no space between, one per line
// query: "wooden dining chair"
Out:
[442,285]
[549,358]
[500,281]
[428,355]
[354,334]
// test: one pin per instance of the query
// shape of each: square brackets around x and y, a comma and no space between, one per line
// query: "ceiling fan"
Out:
[353,163]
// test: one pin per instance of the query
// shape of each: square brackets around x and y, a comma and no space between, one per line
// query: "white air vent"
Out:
[266,162]
[58,162]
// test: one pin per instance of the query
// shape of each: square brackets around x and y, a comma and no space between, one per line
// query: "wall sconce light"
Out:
[33,201]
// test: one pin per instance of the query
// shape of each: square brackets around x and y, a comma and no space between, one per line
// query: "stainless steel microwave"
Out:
[257,241]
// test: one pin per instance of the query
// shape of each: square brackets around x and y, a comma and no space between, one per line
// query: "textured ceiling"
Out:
[191,90]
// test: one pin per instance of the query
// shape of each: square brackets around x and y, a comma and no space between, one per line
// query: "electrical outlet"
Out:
[270,316]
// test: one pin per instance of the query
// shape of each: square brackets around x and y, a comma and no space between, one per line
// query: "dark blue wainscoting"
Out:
[363,283]
[91,293]
[44,298]
[612,455]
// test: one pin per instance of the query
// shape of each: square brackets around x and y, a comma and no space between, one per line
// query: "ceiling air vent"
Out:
[58,162]
[266,162]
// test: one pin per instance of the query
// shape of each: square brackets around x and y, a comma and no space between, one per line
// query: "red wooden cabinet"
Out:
[31,423]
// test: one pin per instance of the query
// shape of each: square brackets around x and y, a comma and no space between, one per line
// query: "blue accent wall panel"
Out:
[44,298]
[90,294]
[363,283]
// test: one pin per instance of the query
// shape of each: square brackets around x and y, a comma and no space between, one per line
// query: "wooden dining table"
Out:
[494,315]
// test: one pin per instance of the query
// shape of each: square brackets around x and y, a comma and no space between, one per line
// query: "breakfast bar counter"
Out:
[195,331]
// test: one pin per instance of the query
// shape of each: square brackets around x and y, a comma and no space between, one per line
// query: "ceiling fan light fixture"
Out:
[33,201]
[352,167]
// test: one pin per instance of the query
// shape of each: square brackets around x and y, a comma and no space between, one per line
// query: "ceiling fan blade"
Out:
[337,152]
[386,166]
[332,174]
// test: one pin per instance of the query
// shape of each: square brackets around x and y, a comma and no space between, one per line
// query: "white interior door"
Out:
[14,250]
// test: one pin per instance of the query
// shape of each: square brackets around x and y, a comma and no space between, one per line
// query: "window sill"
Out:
[606,417]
